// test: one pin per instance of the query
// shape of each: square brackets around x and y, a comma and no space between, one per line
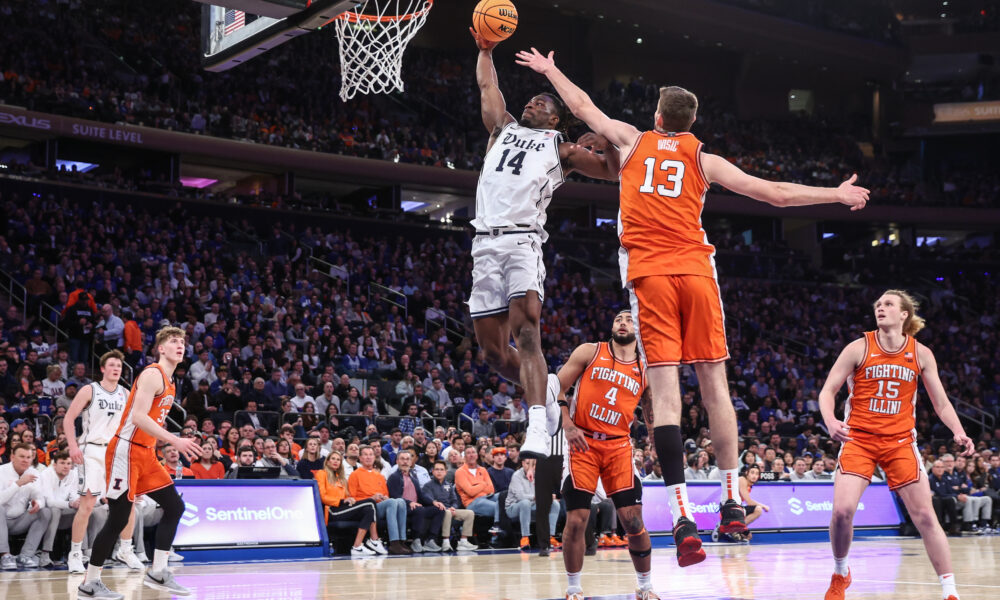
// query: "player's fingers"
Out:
[552,54]
[853,178]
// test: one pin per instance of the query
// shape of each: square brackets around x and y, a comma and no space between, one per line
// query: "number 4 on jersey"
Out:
[516,161]
[611,396]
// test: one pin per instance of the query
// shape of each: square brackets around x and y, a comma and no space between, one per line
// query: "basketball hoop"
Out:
[372,44]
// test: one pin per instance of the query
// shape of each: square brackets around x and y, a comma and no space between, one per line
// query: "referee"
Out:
[548,481]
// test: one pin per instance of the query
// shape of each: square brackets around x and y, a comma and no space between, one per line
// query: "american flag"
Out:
[234,20]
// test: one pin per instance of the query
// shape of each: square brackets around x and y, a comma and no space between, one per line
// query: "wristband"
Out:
[562,403]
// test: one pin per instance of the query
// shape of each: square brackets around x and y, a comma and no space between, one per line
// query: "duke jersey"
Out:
[103,414]
[519,174]
[607,394]
[883,390]
[157,411]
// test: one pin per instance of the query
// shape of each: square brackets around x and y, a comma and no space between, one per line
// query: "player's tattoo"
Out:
[646,402]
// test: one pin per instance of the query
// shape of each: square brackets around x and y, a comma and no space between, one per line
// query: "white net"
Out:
[372,44]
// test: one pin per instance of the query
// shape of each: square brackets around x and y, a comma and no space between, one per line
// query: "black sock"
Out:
[670,453]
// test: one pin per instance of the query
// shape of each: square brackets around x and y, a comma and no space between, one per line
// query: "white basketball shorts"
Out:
[504,267]
[92,472]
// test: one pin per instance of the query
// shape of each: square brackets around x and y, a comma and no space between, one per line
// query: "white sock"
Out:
[124,546]
[93,573]
[948,585]
[730,484]
[536,416]
[643,580]
[573,582]
[76,547]
[160,560]
[677,496]
[840,566]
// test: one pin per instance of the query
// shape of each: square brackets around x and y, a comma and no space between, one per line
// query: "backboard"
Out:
[234,34]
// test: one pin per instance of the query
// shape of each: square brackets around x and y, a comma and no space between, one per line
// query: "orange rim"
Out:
[353,17]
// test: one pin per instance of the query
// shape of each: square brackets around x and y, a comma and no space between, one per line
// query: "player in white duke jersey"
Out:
[99,404]
[526,160]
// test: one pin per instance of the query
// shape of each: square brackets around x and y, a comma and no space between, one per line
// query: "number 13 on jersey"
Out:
[674,170]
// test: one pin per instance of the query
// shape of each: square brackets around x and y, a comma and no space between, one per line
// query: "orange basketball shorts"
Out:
[680,319]
[133,469]
[898,457]
[607,460]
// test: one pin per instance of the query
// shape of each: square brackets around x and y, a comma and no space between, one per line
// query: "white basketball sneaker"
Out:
[74,562]
[536,438]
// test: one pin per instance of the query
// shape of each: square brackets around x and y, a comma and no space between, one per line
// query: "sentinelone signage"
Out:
[247,515]
[958,112]
[793,506]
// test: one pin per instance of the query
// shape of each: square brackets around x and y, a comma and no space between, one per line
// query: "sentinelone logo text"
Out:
[272,513]
[797,507]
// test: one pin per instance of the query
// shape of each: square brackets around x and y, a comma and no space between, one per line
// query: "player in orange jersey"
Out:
[668,267]
[132,469]
[881,371]
[610,382]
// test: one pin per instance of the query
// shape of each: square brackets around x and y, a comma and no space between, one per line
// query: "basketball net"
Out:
[372,44]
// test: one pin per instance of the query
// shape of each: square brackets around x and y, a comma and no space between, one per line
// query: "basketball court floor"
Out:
[882,568]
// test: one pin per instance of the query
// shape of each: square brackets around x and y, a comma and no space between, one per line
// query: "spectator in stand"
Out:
[300,398]
[208,466]
[520,505]
[482,427]
[993,489]
[944,499]
[818,472]
[22,504]
[426,519]
[977,503]
[80,317]
[52,385]
[799,471]
[500,474]
[393,446]
[475,489]
[172,463]
[411,421]
[697,466]
[311,461]
[342,507]
[445,499]
[364,483]
[272,458]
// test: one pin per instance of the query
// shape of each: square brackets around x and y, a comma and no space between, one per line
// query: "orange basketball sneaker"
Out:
[838,585]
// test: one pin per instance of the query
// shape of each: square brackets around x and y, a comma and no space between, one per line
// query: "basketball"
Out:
[494,20]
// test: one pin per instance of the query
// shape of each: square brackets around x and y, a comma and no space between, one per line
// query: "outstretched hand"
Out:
[536,61]
[481,42]
[854,196]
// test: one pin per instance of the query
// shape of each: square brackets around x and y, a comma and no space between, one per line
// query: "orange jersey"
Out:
[883,390]
[607,394]
[158,410]
[662,189]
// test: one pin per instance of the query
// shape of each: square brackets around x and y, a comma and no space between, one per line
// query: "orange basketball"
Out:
[494,20]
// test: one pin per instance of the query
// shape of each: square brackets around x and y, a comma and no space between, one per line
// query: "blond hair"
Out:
[914,322]
[167,333]
[112,354]
[677,108]
[335,477]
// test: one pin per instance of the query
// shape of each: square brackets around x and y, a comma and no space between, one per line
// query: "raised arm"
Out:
[619,133]
[779,193]
[847,362]
[80,402]
[939,398]
[493,106]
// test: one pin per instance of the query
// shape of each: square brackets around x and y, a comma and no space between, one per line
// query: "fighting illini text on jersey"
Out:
[607,394]
[883,390]
[662,195]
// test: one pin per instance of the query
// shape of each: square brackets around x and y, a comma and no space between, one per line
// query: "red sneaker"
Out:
[838,585]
